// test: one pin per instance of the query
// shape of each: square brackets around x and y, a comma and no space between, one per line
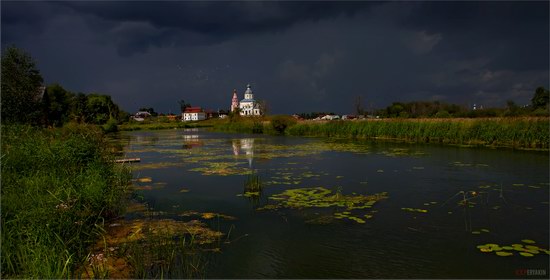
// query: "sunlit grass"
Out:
[501,132]
[58,187]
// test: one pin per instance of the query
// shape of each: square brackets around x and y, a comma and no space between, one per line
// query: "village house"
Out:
[141,116]
[193,114]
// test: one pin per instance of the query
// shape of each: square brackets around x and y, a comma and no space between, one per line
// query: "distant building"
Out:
[249,106]
[234,101]
[330,117]
[193,114]
[211,113]
[222,114]
[141,116]
[297,117]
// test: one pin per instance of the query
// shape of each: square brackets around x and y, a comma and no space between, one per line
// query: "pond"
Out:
[367,209]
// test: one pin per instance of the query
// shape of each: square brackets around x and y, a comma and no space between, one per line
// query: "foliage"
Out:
[541,98]
[58,186]
[110,126]
[150,110]
[442,114]
[509,132]
[100,108]
[56,103]
[21,88]
[183,105]
[280,123]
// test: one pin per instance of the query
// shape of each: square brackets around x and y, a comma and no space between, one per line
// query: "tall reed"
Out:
[58,188]
[501,132]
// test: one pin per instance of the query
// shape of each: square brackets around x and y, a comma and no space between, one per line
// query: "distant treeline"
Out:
[437,109]
[26,101]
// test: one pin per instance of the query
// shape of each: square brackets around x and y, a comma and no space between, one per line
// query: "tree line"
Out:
[26,101]
[435,109]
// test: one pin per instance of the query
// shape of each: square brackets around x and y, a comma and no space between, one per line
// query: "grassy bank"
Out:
[521,133]
[527,133]
[58,188]
[160,125]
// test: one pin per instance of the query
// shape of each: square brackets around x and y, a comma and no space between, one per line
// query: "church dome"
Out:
[248,89]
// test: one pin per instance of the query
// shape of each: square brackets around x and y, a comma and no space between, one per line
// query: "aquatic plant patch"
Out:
[115,255]
[155,165]
[222,169]
[320,197]
[529,250]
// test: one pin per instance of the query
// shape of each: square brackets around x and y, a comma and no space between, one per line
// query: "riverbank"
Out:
[519,133]
[524,133]
[59,187]
[161,125]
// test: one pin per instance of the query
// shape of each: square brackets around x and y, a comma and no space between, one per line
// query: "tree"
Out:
[21,88]
[100,108]
[150,110]
[358,105]
[183,105]
[79,108]
[512,109]
[57,104]
[541,98]
[264,107]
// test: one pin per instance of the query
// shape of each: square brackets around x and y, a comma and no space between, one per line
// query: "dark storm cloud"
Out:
[299,56]
[145,24]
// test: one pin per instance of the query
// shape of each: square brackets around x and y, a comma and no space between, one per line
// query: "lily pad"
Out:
[145,180]
[528,241]
[525,254]
[504,254]
[320,197]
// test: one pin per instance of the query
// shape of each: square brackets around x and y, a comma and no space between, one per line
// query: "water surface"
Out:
[510,204]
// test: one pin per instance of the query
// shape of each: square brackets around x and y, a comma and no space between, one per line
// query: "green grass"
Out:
[167,256]
[161,125]
[58,188]
[527,133]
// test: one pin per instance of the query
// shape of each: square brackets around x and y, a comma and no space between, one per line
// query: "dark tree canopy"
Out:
[21,88]
[541,98]
[183,105]
[57,103]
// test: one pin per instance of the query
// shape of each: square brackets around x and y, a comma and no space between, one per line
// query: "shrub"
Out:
[110,126]
[281,123]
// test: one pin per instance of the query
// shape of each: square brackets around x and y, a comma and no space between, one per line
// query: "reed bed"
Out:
[525,133]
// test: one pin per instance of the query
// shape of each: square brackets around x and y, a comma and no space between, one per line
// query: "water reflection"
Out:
[244,146]
[191,141]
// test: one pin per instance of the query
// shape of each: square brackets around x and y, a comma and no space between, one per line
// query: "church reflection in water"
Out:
[244,146]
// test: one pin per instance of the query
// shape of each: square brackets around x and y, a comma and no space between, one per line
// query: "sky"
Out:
[297,56]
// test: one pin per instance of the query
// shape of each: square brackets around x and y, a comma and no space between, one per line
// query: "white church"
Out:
[248,106]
